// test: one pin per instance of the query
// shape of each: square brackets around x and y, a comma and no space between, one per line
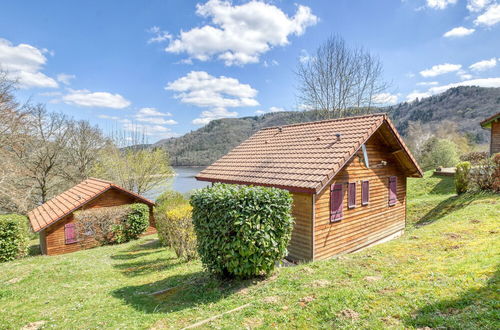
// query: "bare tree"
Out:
[338,79]
[134,165]
[84,143]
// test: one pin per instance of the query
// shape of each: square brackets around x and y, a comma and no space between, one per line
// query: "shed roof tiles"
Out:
[71,200]
[299,157]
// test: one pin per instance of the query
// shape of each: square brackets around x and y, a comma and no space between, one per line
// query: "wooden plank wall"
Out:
[495,137]
[300,246]
[55,243]
[362,225]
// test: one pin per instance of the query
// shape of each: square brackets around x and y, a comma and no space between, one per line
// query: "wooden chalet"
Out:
[347,177]
[493,124]
[55,222]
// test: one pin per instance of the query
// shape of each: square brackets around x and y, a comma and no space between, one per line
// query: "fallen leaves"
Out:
[349,314]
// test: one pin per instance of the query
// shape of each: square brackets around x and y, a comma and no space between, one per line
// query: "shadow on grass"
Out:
[449,205]
[179,292]
[475,309]
[445,186]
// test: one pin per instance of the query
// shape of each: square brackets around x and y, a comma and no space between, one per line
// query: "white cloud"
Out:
[240,34]
[216,113]
[416,94]
[304,56]
[385,98]
[440,69]
[65,78]
[267,64]
[108,117]
[477,5]
[440,4]
[153,116]
[458,32]
[484,82]
[86,98]
[427,83]
[158,131]
[463,75]
[159,35]
[490,17]
[202,90]
[484,65]
[23,63]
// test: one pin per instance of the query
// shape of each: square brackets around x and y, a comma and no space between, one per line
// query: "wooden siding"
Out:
[300,247]
[54,235]
[495,137]
[362,225]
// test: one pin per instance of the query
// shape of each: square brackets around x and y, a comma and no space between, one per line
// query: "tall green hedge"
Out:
[13,236]
[242,231]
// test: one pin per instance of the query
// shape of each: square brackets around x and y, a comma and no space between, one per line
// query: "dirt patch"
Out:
[453,247]
[271,300]
[493,231]
[306,300]
[14,280]
[320,283]
[414,237]
[452,235]
[373,278]
[349,314]
[475,221]
[34,325]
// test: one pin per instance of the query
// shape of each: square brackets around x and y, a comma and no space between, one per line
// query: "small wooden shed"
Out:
[493,124]
[54,219]
[347,177]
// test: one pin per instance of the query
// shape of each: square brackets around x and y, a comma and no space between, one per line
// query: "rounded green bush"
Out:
[134,225]
[242,231]
[167,201]
[462,178]
[13,236]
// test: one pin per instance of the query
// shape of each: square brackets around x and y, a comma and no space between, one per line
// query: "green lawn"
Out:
[442,273]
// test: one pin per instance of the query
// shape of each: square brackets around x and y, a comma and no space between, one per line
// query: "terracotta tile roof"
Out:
[71,200]
[300,157]
[487,122]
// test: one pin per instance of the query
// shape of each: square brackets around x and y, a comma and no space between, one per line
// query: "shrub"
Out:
[462,177]
[484,175]
[496,174]
[474,157]
[13,236]
[135,224]
[165,202]
[109,225]
[179,232]
[242,231]
[439,152]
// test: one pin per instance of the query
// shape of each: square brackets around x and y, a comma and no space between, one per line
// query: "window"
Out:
[352,195]
[336,202]
[365,192]
[393,190]
[69,233]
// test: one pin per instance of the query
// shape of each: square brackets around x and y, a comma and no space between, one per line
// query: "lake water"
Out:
[182,182]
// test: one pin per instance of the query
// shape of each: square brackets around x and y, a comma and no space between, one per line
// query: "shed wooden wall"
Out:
[300,246]
[54,235]
[495,137]
[362,225]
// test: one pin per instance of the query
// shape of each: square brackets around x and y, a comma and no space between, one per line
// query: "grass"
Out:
[443,272]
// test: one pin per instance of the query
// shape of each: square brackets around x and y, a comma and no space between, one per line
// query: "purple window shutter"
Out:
[352,195]
[365,192]
[392,190]
[336,202]
[69,233]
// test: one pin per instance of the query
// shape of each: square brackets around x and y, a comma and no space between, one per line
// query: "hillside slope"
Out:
[442,274]
[466,106]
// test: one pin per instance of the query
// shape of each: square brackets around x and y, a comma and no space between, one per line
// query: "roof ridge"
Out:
[97,179]
[377,114]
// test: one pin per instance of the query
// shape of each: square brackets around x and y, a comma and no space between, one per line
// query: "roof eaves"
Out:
[486,123]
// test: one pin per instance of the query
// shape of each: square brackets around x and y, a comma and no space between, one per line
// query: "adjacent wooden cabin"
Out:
[347,177]
[55,222]
[493,124]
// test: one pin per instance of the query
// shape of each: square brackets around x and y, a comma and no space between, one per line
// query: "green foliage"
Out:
[165,202]
[462,177]
[484,176]
[496,174]
[242,231]
[439,152]
[137,221]
[474,157]
[13,236]
[177,228]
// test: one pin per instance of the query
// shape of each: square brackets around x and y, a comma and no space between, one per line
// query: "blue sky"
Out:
[168,67]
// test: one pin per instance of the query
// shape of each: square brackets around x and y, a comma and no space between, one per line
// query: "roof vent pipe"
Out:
[338,135]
